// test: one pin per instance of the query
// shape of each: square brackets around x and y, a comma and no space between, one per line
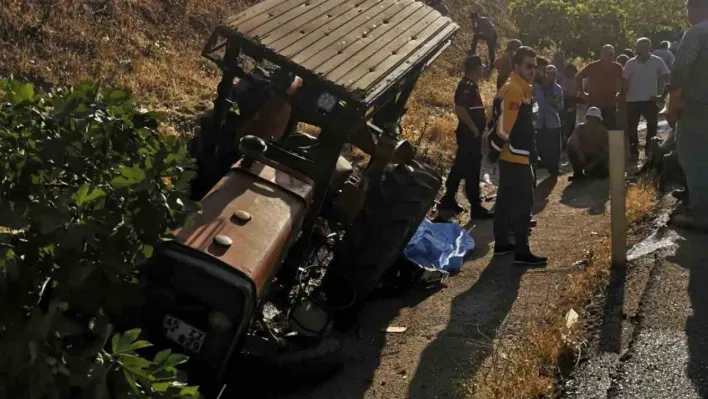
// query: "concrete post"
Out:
[618,213]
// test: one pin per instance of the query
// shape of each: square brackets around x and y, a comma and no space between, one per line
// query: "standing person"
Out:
[439,6]
[604,82]
[665,54]
[560,63]
[645,77]
[689,82]
[468,159]
[622,98]
[588,147]
[503,63]
[549,96]
[629,53]
[622,59]
[570,101]
[484,29]
[674,47]
[512,141]
[539,78]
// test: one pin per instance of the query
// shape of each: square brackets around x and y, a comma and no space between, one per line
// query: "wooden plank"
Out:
[300,27]
[335,55]
[262,18]
[395,51]
[251,12]
[336,68]
[321,26]
[310,46]
[426,49]
[298,15]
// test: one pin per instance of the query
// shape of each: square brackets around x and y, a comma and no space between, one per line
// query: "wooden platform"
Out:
[359,45]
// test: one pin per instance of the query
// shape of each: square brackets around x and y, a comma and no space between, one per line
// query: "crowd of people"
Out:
[535,113]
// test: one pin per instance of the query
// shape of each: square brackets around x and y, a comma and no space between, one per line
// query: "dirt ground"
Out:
[451,328]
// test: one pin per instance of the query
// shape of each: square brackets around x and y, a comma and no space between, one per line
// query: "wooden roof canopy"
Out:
[362,47]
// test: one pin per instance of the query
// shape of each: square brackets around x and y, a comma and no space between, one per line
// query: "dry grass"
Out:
[151,47]
[525,365]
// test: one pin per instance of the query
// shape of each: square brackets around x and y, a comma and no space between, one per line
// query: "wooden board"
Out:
[358,45]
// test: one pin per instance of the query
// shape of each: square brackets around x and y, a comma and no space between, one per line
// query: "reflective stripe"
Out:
[518,152]
[500,124]
[495,146]
[480,107]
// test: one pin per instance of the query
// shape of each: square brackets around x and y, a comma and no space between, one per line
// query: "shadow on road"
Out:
[692,254]
[590,194]
[611,332]
[457,353]
[543,190]
[363,349]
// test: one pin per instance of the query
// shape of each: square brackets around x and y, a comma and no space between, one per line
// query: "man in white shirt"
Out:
[645,77]
[664,52]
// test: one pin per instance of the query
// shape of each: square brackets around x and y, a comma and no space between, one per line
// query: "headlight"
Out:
[326,102]
[219,322]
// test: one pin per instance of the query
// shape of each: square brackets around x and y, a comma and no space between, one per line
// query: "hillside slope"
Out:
[152,47]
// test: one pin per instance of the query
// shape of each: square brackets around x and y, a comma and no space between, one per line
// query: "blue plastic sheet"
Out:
[439,246]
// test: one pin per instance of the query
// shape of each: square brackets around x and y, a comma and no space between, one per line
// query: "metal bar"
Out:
[618,213]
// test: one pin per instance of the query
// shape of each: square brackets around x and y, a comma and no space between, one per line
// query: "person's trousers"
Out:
[466,166]
[581,162]
[635,110]
[691,141]
[491,46]
[621,115]
[514,204]
[570,117]
[549,148]
[609,117]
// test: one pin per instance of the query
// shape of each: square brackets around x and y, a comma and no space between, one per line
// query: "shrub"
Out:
[87,189]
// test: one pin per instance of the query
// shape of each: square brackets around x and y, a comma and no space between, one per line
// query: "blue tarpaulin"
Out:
[439,246]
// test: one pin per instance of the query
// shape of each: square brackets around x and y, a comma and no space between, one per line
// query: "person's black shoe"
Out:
[529,259]
[533,223]
[680,195]
[577,176]
[451,205]
[504,249]
[481,213]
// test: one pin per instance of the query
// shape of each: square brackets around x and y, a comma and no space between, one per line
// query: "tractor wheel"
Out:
[391,215]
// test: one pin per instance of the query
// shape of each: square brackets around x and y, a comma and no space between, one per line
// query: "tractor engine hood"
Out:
[250,219]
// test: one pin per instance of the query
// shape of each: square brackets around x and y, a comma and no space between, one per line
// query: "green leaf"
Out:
[137,345]
[115,342]
[129,176]
[127,342]
[176,359]
[162,356]
[189,391]
[85,195]
[147,251]
[20,92]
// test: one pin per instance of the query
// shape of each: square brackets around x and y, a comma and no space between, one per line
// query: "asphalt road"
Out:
[652,342]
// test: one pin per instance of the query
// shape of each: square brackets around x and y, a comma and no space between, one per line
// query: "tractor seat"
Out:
[341,173]
[342,170]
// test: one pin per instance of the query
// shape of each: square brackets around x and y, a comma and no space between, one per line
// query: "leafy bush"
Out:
[581,28]
[88,188]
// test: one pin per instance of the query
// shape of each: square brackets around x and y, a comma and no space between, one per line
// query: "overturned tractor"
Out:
[291,238]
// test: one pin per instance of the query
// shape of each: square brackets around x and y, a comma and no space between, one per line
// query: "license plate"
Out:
[183,334]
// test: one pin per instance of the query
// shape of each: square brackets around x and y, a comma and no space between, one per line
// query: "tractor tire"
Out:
[391,215]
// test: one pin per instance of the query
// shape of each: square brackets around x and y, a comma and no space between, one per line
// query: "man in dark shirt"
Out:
[468,159]
[484,29]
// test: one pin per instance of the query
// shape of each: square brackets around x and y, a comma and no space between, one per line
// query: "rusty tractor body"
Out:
[291,239]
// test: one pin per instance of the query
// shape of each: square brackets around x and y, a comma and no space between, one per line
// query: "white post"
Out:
[618,213]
